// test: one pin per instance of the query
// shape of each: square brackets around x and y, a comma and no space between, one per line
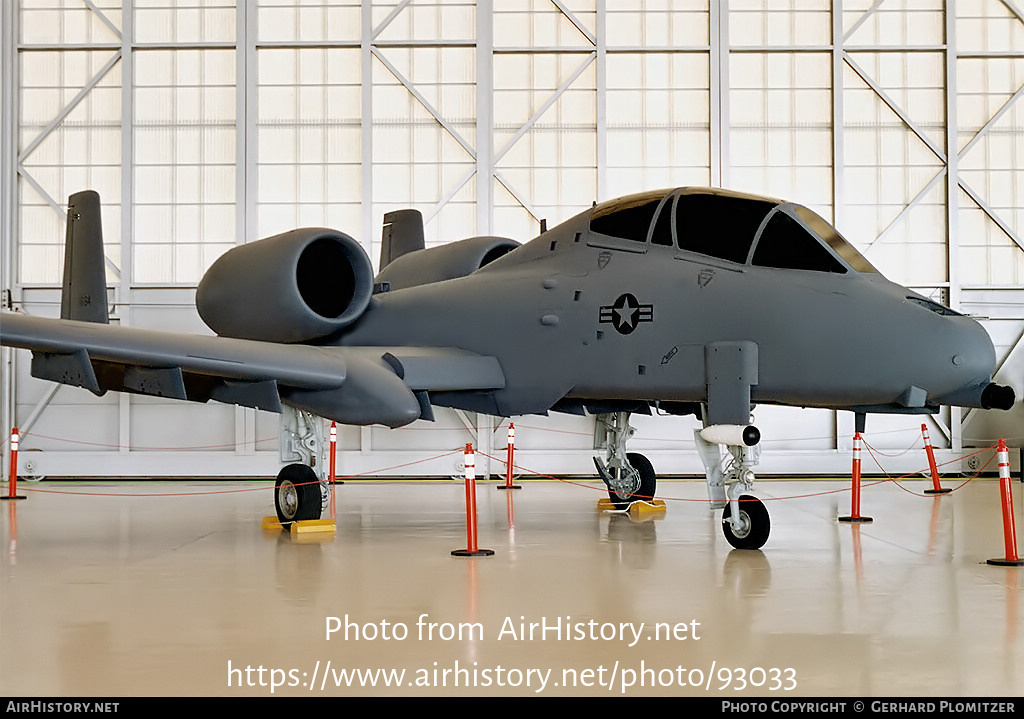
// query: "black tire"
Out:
[297,494]
[648,482]
[757,524]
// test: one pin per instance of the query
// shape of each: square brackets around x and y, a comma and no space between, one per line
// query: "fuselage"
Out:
[622,302]
[695,300]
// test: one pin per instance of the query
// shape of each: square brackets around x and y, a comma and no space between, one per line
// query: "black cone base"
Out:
[1006,562]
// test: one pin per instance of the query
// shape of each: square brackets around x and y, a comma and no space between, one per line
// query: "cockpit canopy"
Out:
[745,229]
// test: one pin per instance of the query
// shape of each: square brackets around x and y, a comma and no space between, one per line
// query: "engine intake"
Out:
[297,286]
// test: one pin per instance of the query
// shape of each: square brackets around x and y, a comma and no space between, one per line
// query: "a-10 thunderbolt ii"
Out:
[687,301]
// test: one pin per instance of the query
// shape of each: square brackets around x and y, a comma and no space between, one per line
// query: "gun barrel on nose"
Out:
[996,396]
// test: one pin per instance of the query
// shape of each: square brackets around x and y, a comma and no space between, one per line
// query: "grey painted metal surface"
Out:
[623,307]
[690,301]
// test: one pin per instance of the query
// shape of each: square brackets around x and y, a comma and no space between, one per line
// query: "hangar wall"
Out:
[208,123]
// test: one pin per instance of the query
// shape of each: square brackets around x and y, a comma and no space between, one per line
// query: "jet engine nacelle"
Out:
[293,287]
[445,262]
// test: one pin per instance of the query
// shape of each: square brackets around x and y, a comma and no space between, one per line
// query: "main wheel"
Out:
[297,494]
[755,525]
[642,488]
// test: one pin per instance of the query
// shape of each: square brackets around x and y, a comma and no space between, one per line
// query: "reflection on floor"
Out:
[173,589]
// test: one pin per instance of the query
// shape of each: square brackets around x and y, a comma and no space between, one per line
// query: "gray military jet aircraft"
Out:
[687,301]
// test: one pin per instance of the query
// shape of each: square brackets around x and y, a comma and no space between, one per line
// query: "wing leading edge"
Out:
[352,385]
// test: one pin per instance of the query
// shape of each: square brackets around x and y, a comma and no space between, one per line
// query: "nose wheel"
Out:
[751,527]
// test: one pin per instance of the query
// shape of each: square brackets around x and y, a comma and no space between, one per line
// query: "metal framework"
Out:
[511,157]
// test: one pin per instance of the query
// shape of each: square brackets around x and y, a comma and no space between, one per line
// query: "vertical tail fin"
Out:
[403,233]
[84,296]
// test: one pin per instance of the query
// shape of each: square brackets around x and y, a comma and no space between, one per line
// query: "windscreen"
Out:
[834,240]
[786,244]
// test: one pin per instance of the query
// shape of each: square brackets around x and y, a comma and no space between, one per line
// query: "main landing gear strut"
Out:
[301,490]
[630,476]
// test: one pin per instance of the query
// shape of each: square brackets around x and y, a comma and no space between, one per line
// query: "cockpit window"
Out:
[786,244]
[629,218]
[834,240]
[719,225]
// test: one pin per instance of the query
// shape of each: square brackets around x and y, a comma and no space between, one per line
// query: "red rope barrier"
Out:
[232,491]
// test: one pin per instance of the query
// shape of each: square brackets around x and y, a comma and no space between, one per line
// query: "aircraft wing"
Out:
[352,385]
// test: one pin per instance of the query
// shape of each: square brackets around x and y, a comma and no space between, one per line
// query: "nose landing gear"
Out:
[745,521]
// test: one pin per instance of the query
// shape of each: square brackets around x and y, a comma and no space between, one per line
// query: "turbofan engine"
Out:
[293,287]
[444,262]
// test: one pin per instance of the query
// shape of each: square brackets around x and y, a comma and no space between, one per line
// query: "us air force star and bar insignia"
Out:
[626,313]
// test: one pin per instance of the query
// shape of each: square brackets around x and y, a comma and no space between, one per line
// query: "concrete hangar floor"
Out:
[160,588]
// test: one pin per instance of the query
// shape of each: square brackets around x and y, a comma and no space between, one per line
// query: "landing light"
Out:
[732,434]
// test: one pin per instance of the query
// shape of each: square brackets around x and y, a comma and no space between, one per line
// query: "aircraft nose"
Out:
[972,360]
[973,355]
